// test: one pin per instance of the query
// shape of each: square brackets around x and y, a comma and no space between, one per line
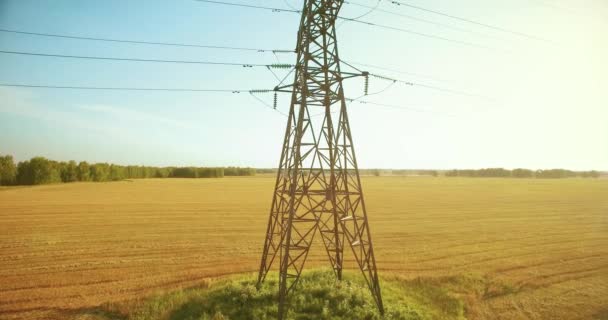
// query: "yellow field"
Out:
[75,246]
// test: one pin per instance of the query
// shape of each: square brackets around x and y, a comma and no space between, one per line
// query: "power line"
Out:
[393,70]
[446,90]
[285,77]
[575,12]
[521,34]
[231,91]
[273,9]
[350,65]
[421,34]
[371,9]
[247,65]
[170,61]
[409,83]
[357,100]
[235,91]
[289,5]
[452,91]
[275,66]
[266,104]
[144,42]
[269,66]
[396,106]
[420,20]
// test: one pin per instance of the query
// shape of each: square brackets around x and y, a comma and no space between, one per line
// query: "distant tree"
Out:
[451,173]
[266,170]
[24,173]
[139,172]
[117,173]
[38,170]
[205,172]
[84,171]
[69,172]
[492,172]
[522,173]
[8,171]
[555,174]
[236,171]
[219,172]
[131,172]
[185,172]
[149,172]
[100,172]
[162,172]
[433,173]
[589,174]
[61,168]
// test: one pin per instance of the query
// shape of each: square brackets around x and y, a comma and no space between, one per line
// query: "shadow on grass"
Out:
[317,296]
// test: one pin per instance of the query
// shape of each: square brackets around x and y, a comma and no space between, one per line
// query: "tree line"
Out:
[40,170]
[522,173]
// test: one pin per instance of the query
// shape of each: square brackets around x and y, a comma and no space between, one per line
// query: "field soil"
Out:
[535,249]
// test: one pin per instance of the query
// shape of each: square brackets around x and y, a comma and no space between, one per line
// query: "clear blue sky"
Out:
[549,106]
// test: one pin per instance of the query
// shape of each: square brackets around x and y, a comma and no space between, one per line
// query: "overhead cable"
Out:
[436,88]
[372,24]
[246,65]
[19,85]
[144,42]
[375,8]
[489,26]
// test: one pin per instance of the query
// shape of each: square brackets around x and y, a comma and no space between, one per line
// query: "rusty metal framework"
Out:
[317,188]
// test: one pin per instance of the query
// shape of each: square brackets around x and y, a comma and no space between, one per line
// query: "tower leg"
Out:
[354,214]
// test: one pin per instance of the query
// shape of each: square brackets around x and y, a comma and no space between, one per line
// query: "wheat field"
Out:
[540,245]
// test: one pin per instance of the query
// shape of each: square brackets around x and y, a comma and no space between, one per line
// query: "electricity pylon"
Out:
[317,188]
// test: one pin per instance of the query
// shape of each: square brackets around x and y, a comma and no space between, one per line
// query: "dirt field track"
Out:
[74,246]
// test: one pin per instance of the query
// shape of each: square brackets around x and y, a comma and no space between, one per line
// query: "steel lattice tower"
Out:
[318,186]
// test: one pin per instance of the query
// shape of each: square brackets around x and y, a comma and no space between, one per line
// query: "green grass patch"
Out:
[318,296]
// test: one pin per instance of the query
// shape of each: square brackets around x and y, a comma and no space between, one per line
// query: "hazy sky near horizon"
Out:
[541,104]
